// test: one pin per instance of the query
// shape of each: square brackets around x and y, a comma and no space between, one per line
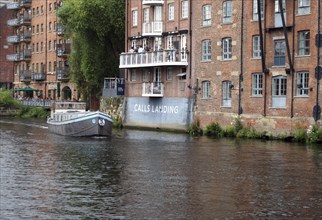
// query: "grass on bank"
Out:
[237,130]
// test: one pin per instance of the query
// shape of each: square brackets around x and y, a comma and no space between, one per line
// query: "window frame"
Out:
[304,9]
[226,48]
[255,10]
[257,53]
[279,91]
[226,93]
[206,89]
[206,50]
[227,11]
[279,59]
[134,18]
[184,9]
[257,84]
[206,15]
[133,76]
[302,83]
[304,43]
[171,11]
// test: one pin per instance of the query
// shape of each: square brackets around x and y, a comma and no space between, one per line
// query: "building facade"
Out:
[6,67]
[227,64]
[157,64]
[40,53]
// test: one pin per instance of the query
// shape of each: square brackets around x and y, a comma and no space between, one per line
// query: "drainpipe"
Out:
[293,58]
[240,110]
[264,69]
[287,49]
[126,34]
[45,67]
[190,38]
[317,108]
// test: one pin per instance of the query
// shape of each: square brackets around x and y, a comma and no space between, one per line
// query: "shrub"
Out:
[314,134]
[117,122]
[214,130]
[194,128]
[6,100]
[32,112]
[300,135]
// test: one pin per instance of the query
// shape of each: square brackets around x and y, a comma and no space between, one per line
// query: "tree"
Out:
[96,29]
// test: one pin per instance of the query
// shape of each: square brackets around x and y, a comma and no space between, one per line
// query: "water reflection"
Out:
[140,174]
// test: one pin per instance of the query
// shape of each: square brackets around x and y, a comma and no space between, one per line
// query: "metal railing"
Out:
[154,89]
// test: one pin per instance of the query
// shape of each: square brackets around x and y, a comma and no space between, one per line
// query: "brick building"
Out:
[6,67]
[40,51]
[233,64]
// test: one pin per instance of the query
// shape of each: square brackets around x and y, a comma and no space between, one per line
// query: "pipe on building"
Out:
[316,116]
[264,69]
[293,58]
[240,111]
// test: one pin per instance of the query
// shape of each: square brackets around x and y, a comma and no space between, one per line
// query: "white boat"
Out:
[72,119]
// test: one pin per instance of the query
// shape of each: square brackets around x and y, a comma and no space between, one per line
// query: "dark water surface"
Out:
[154,175]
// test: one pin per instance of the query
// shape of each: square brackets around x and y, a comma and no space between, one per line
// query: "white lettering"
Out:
[165,109]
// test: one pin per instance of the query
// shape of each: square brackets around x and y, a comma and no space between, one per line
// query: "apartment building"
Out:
[40,54]
[227,64]
[273,85]
[157,63]
[6,67]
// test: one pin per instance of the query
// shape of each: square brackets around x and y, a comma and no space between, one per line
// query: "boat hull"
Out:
[92,124]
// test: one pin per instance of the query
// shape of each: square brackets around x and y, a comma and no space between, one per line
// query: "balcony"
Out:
[152,2]
[60,29]
[154,28]
[25,3]
[155,89]
[25,36]
[63,49]
[13,57]
[38,76]
[13,22]
[25,19]
[25,55]
[62,74]
[13,6]
[25,76]
[13,39]
[151,59]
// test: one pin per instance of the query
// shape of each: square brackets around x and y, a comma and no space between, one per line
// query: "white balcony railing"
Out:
[13,22]
[154,28]
[152,2]
[13,5]
[154,89]
[13,57]
[149,59]
[13,39]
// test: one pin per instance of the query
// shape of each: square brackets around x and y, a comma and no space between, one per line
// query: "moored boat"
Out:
[72,119]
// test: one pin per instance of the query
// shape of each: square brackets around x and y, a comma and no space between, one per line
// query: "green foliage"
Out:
[230,131]
[194,128]
[32,112]
[117,123]
[96,29]
[300,135]
[238,125]
[6,100]
[250,133]
[214,130]
[314,134]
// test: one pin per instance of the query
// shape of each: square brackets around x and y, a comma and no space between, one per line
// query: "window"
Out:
[277,8]
[279,52]
[226,93]
[145,75]
[41,46]
[227,11]
[146,15]
[184,9]
[37,10]
[256,47]
[171,12]
[206,50]
[50,7]
[55,45]
[302,84]
[49,26]
[279,85]
[255,10]
[169,74]
[206,15]
[49,67]
[134,18]
[304,43]
[55,66]
[133,75]
[37,28]
[304,7]
[206,89]
[226,48]
[42,28]
[37,47]
[257,84]
[42,9]
[49,45]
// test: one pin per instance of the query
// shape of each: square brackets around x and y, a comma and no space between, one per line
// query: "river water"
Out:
[154,175]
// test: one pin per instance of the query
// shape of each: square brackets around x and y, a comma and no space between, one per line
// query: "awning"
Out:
[26,89]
